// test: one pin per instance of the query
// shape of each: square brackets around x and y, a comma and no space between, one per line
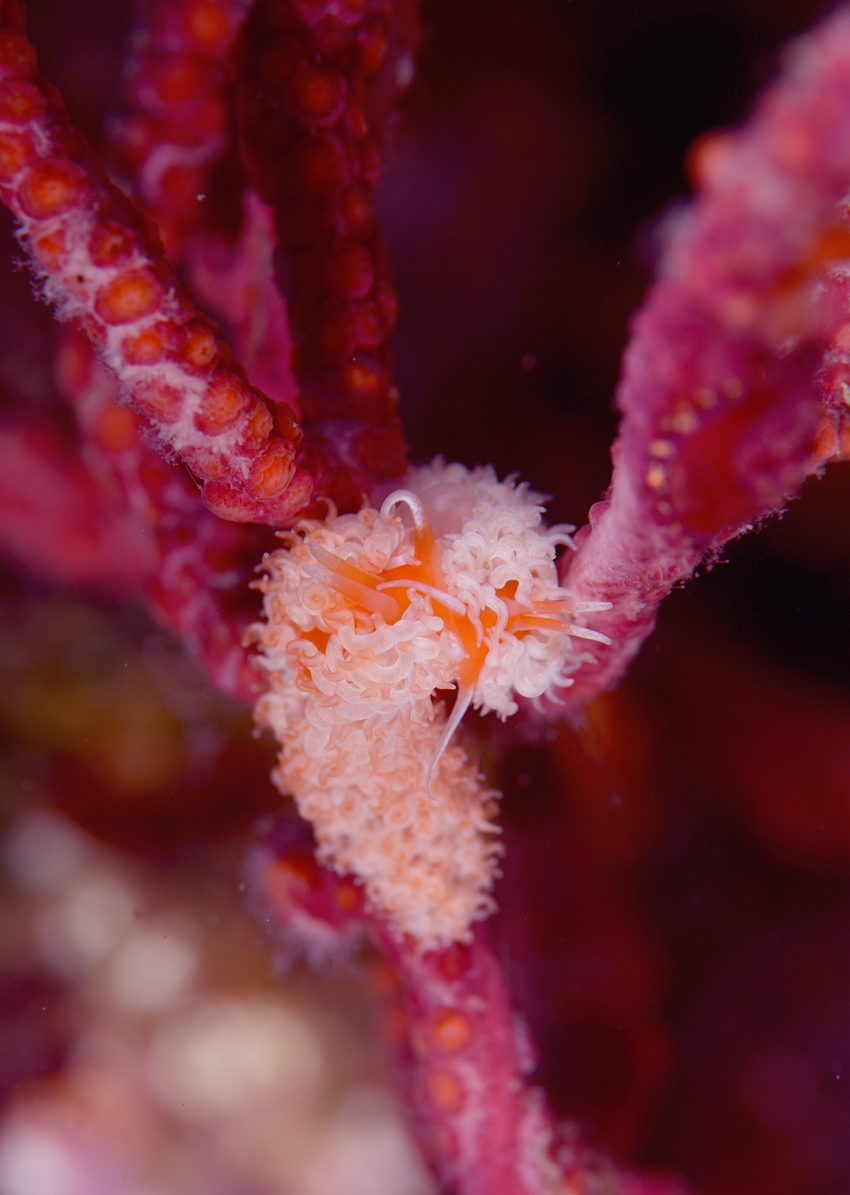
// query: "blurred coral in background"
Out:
[674,913]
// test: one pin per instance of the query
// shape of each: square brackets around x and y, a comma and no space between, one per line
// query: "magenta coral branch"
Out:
[464,1057]
[734,380]
[488,1130]
[198,580]
[58,523]
[177,130]
[316,79]
[99,263]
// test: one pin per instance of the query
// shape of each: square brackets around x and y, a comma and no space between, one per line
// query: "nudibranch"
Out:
[450,585]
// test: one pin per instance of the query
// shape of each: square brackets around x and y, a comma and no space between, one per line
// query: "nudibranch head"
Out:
[452,583]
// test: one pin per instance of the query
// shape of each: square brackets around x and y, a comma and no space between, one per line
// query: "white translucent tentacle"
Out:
[462,701]
[410,500]
[586,633]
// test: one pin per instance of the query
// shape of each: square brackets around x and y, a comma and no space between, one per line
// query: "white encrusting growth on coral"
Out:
[451,584]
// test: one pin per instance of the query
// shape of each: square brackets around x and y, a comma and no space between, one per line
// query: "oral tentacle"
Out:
[425,544]
[534,622]
[351,582]
[438,595]
[461,705]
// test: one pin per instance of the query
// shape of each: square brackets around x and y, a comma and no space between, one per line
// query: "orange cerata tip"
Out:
[130,296]
[51,188]
[273,470]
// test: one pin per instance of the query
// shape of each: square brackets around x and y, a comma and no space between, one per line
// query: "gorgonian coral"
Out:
[395,589]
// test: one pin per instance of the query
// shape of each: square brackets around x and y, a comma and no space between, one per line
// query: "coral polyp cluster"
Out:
[451,584]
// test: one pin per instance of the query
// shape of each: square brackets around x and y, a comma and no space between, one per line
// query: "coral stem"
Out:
[732,386]
[100,264]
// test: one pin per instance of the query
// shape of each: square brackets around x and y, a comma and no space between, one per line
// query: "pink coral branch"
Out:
[101,265]
[236,283]
[198,581]
[315,83]
[178,83]
[59,523]
[724,409]
[464,1056]
[487,1129]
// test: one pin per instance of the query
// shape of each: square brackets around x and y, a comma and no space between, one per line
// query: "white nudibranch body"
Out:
[451,584]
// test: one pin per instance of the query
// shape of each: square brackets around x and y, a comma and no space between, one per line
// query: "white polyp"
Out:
[461,705]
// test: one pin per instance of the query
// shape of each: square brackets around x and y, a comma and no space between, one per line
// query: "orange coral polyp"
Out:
[110,243]
[20,101]
[17,56]
[130,296]
[50,249]
[205,24]
[16,151]
[51,188]
[273,471]
[201,347]
[144,349]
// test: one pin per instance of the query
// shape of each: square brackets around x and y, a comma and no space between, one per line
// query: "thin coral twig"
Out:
[464,1057]
[315,83]
[178,126]
[734,380]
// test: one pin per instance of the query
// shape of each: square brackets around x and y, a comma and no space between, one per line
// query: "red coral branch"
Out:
[464,1055]
[724,413]
[178,84]
[315,81]
[58,523]
[101,265]
[198,581]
